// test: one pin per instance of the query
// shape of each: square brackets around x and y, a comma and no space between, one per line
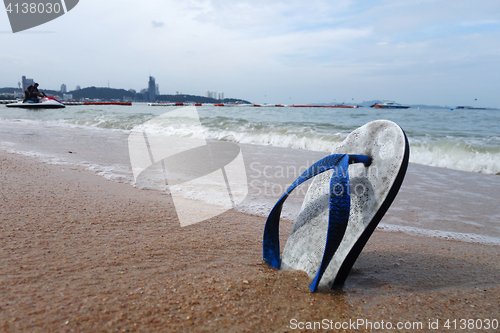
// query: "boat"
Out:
[46,102]
[469,108]
[389,105]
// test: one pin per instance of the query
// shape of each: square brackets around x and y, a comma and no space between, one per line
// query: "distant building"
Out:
[144,93]
[214,95]
[157,89]
[26,82]
[67,97]
[78,87]
[13,95]
[63,88]
[152,89]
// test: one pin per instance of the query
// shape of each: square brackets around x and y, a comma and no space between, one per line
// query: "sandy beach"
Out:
[79,253]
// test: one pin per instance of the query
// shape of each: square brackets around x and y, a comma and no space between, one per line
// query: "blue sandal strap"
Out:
[340,206]
[338,215]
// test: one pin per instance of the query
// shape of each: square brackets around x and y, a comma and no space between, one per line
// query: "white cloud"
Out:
[278,49]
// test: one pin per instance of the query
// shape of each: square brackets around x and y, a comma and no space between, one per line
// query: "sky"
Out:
[434,52]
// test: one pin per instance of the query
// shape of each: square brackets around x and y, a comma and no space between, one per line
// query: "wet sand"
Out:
[84,254]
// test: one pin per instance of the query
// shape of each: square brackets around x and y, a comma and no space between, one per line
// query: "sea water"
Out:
[278,143]
[461,139]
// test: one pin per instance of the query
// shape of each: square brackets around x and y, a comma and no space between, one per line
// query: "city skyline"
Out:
[433,52]
[151,91]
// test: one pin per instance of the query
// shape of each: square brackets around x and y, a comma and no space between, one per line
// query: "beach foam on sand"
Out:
[81,253]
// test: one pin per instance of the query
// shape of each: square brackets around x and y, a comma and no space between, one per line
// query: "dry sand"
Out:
[80,253]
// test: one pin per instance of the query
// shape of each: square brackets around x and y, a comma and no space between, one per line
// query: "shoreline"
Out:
[79,252]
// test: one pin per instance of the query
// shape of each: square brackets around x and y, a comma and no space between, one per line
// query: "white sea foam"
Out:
[46,158]
[446,235]
[445,154]
[118,173]
[278,138]
[115,172]
[457,156]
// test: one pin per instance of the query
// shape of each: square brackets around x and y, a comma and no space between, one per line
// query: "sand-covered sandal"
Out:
[352,190]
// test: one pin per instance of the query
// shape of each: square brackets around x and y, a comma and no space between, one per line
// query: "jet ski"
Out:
[46,102]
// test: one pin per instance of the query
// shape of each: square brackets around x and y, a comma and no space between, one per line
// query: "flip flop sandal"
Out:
[333,225]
